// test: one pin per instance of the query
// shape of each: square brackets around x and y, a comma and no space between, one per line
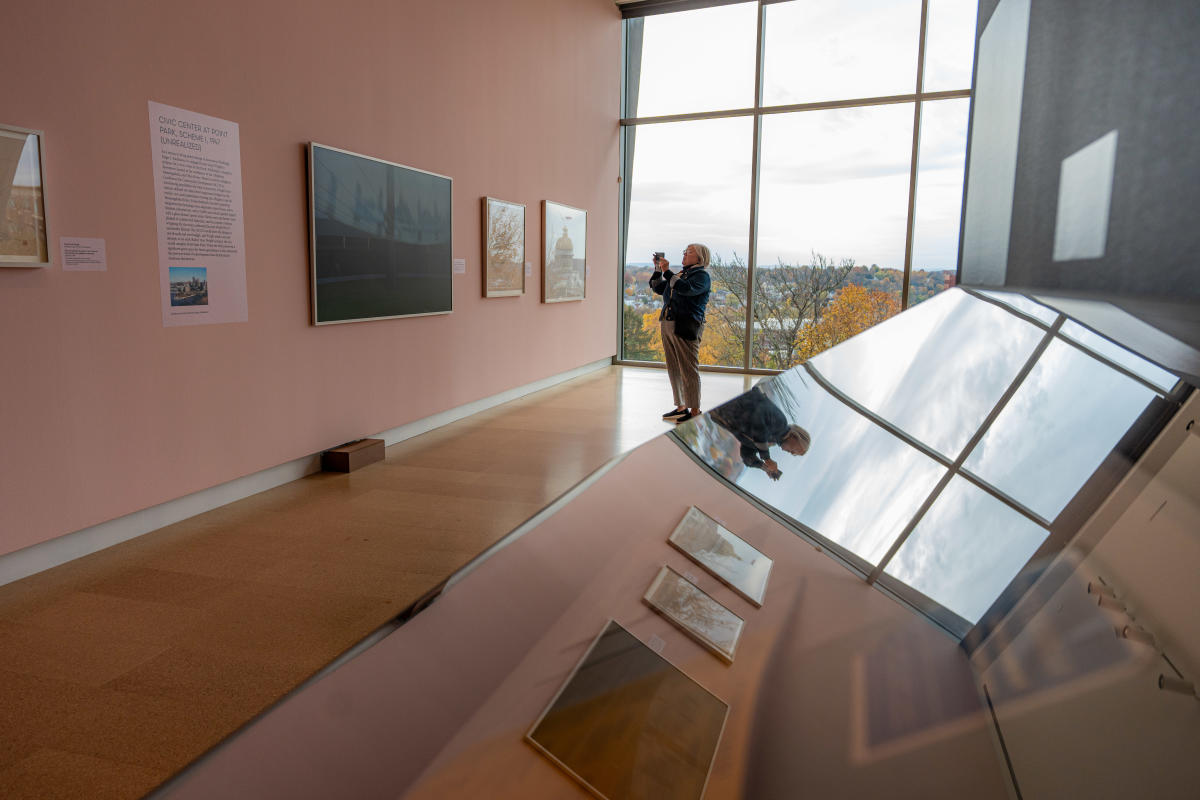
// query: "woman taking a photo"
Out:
[685,298]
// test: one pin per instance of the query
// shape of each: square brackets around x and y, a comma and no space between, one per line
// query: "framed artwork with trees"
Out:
[503,248]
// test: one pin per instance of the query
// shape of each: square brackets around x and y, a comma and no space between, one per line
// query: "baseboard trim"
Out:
[68,547]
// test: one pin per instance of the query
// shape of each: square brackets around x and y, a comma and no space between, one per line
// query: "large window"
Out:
[816,147]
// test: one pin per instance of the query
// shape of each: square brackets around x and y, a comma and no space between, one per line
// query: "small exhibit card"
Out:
[83,255]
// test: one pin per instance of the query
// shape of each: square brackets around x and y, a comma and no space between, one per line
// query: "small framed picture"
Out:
[693,611]
[503,248]
[564,252]
[728,557]
[23,238]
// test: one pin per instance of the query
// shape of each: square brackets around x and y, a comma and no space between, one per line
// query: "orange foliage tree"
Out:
[650,326]
[720,344]
[852,311]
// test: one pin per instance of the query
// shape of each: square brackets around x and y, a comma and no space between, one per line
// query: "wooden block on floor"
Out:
[352,455]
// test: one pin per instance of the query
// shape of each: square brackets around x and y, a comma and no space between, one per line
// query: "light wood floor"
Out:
[120,668]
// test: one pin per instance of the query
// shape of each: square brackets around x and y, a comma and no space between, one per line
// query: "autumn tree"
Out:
[651,328]
[718,345]
[852,311]
[786,298]
[721,344]
[639,342]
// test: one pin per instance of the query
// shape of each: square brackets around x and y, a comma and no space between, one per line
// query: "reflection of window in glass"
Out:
[1064,419]
[939,197]
[1119,355]
[29,168]
[694,61]
[817,50]
[1024,305]
[966,549]
[935,371]
[949,45]
[857,485]
[691,184]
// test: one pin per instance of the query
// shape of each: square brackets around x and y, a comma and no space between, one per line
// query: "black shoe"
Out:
[685,417]
[673,413]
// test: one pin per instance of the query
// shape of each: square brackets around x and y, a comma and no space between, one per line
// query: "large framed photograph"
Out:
[380,238]
[24,241]
[729,558]
[628,724]
[564,252]
[689,608]
[503,248]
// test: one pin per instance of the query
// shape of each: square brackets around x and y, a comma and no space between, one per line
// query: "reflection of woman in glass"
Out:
[685,298]
[758,425]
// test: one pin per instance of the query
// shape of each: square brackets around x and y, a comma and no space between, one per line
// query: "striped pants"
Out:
[683,360]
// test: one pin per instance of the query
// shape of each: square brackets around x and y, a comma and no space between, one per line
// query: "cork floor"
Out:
[120,668]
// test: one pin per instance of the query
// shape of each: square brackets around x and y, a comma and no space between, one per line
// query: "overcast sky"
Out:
[832,181]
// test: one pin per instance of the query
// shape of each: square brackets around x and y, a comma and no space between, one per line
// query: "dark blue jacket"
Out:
[686,301]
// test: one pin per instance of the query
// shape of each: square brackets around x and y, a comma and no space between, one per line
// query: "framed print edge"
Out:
[735,589]
[33,262]
[562,688]
[487,208]
[696,636]
[571,677]
[312,233]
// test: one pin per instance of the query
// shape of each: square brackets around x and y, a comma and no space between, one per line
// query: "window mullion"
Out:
[756,143]
[916,150]
[1030,362]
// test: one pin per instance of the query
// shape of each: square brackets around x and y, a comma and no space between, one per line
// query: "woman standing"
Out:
[685,298]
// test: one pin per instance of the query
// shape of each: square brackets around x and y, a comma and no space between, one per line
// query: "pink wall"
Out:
[105,411]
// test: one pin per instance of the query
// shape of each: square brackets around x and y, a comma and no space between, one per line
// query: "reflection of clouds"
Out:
[936,370]
[1119,355]
[1024,305]
[1065,418]
[966,549]
[857,485]
[724,554]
